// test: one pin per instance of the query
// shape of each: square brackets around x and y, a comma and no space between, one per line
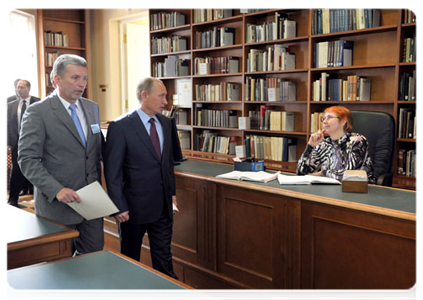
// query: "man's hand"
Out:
[67,195]
[122,217]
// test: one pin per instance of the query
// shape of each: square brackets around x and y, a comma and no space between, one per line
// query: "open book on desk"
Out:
[305,179]
[250,176]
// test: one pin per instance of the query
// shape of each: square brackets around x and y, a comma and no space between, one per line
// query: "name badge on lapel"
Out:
[95,128]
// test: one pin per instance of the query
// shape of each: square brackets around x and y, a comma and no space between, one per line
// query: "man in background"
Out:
[18,184]
[15,96]
[60,151]
[138,164]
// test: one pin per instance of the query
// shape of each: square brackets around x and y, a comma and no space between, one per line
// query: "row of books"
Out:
[209,141]
[216,118]
[216,65]
[407,162]
[409,16]
[282,28]
[58,39]
[338,20]
[407,87]
[270,89]
[333,54]
[204,15]
[216,37]
[224,91]
[48,80]
[409,50]
[252,10]
[164,20]
[179,114]
[355,88]
[268,118]
[51,58]
[315,123]
[168,44]
[171,67]
[275,58]
[271,148]
[184,139]
[407,123]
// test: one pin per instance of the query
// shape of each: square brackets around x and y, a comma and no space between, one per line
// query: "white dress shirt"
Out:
[79,112]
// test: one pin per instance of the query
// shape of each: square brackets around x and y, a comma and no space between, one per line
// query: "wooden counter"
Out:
[31,239]
[237,234]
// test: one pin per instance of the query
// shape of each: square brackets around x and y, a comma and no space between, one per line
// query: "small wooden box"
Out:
[354,186]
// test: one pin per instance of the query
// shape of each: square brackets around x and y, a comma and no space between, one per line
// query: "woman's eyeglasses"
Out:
[328,118]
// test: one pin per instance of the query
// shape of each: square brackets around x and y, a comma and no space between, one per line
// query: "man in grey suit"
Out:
[15,110]
[60,151]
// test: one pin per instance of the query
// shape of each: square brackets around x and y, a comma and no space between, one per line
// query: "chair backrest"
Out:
[379,129]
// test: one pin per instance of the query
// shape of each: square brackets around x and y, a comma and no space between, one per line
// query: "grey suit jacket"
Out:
[51,155]
[12,121]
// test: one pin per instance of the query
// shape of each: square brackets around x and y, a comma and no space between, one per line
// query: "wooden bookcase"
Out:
[377,54]
[70,22]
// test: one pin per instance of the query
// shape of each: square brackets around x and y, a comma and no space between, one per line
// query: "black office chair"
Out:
[379,129]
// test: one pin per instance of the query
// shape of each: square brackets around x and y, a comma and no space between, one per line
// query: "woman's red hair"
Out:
[343,114]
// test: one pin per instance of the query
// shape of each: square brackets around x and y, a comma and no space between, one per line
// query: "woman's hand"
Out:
[316,138]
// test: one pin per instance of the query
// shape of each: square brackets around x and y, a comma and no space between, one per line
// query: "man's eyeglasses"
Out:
[328,118]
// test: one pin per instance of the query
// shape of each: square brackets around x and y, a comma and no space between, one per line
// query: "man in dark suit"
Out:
[60,151]
[139,172]
[18,184]
[15,96]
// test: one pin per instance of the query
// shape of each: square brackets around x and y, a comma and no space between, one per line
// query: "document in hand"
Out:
[250,176]
[305,179]
[95,203]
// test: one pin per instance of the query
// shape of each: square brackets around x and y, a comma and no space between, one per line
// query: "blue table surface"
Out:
[27,226]
[395,199]
[101,270]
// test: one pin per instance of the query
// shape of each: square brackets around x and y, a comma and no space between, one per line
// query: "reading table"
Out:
[99,270]
[31,239]
[239,234]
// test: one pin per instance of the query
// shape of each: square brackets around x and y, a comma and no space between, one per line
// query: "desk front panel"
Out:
[244,235]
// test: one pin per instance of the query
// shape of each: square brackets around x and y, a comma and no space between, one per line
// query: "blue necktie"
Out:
[78,125]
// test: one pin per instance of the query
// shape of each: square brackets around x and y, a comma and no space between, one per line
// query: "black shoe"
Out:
[13,202]
[31,192]
[23,193]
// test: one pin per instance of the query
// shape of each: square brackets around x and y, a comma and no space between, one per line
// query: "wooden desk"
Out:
[100,270]
[237,234]
[31,239]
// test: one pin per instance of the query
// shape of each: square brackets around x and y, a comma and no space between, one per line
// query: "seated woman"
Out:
[342,150]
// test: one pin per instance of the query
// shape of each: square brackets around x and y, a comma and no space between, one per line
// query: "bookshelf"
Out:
[60,31]
[379,51]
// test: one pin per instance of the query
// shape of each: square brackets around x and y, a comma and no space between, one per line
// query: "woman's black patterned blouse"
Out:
[333,157]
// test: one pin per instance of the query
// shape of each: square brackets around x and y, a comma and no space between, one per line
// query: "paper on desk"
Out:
[95,203]
[306,179]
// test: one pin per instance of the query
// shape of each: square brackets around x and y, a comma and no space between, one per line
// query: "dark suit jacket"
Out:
[136,180]
[12,121]
[11,98]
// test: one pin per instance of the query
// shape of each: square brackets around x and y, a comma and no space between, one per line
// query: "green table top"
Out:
[100,270]
[389,198]
[27,226]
